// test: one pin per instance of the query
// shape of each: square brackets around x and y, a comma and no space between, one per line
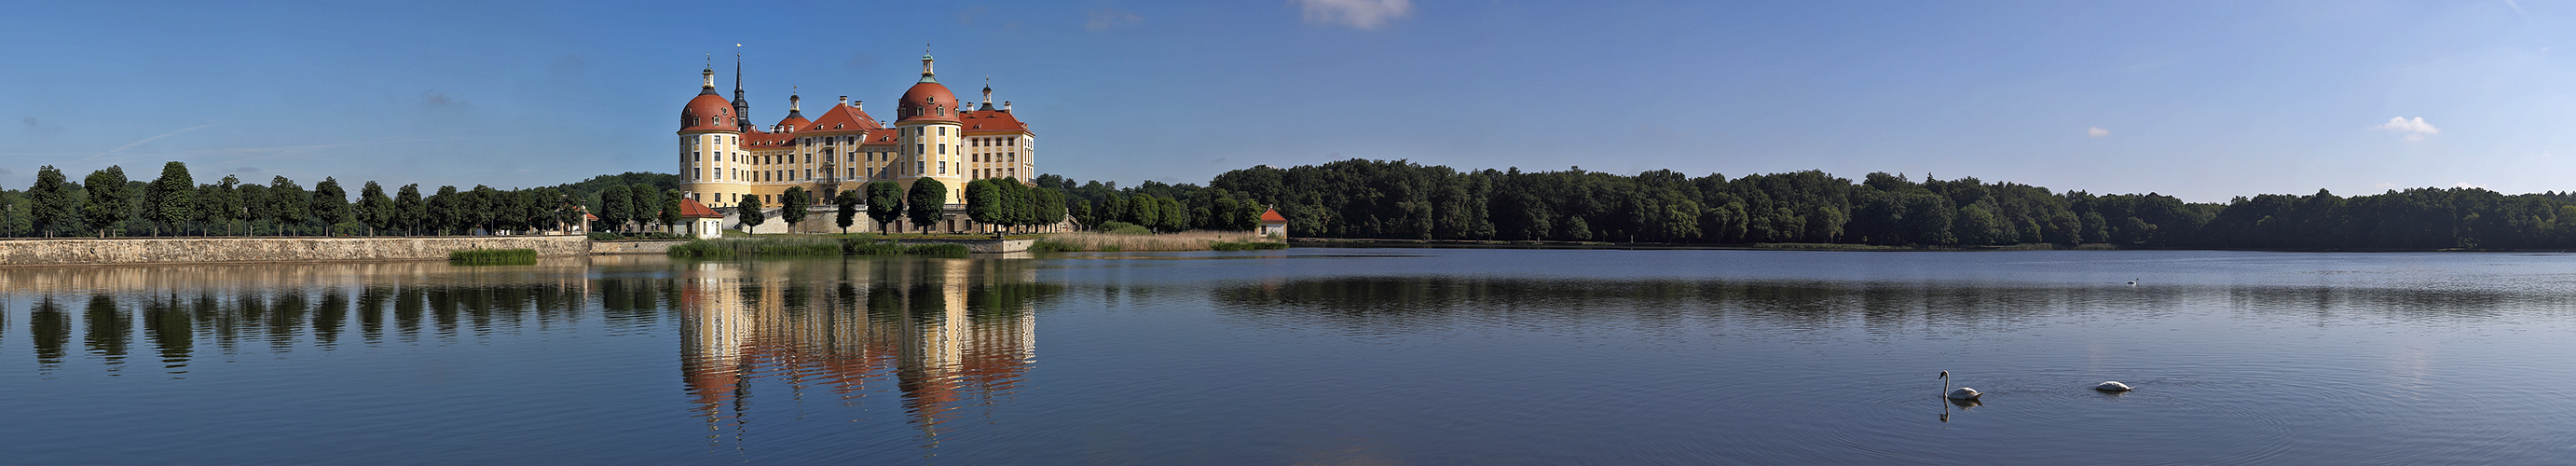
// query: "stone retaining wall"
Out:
[221,250]
[634,247]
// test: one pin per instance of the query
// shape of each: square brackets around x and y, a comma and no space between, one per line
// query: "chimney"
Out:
[860,105]
[1006,106]
[845,101]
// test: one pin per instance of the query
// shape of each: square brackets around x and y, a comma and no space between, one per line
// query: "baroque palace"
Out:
[725,158]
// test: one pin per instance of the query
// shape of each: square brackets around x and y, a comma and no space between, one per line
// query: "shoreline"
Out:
[1819,247]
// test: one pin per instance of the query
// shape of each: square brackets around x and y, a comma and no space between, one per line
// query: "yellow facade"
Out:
[844,149]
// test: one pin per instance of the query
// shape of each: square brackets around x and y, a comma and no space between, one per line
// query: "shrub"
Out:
[494,256]
[1123,228]
[1048,245]
[869,248]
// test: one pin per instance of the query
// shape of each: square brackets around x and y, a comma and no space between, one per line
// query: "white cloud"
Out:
[2466,185]
[2415,129]
[2095,132]
[1106,19]
[1362,14]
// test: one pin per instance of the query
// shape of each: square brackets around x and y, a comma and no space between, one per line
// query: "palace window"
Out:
[943,148]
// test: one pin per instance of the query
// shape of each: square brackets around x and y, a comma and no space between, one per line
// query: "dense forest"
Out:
[1402,200]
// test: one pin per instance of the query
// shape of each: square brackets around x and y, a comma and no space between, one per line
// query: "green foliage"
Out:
[845,210]
[330,204]
[648,204]
[494,256]
[52,208]
[926,203]
[885,202]
[750,212]
[444,212]
[108,197]
[616,206]
[793,204]
[1124,228]
[410,211]
[375,209]
[171,199]
[1049,245]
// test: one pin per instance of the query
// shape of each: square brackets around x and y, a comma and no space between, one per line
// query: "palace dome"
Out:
[926,101]
[707,112]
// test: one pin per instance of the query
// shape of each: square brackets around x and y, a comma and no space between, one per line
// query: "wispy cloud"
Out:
[1361,14]
[2466,185]
[2517,8]
[436,98]
[1103,19]
[246,170]
[2415,129]
[2097,131]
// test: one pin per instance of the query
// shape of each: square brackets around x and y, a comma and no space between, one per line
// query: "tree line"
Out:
[1402,200]
[106,203]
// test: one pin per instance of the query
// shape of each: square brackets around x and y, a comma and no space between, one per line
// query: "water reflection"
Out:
[951,336]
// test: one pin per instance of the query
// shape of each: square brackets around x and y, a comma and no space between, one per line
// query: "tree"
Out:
[330,204]
[409,210]
[648,204]
[232,201]
[171,199]
[926,203]
[750,212]
[1050,206]
[210,209]
[376,210]
[1143,210]
[983,202]
[616,205]
[885,202]
[792,205]
[845,210]
[443,216]
[107,199]
[254,207]
[53,208]
[670,209]
[484,207]
[288,203]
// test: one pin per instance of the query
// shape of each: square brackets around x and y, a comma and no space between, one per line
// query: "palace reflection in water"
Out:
[946,336]
[951,335]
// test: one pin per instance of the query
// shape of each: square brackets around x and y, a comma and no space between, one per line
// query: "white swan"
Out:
[2112,386]
[2133,282]
[1962,393]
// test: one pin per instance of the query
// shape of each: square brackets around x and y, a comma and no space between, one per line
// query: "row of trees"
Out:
[1005,202]
[1158,206]
[1402,200]
[106,203]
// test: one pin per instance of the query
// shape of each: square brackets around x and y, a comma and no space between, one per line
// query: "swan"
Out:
[2133,282]
[1962,393]
[2112,386]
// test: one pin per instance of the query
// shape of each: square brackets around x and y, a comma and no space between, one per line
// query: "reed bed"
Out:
[1194,240]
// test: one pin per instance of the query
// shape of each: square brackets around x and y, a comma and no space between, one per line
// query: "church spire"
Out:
[741,106]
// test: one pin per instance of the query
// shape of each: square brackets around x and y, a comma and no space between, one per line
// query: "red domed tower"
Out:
[927,119]
[710,136]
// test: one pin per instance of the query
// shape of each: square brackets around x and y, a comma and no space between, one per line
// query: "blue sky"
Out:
[2203,100]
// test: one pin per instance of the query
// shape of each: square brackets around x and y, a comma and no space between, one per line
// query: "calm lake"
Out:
[1304,356]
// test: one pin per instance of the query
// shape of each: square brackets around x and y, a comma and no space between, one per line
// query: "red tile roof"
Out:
[991,122]
[690,208]
[842,118]
[920,102]
[1272,216]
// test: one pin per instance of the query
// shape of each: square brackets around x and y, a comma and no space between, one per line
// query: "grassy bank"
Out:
[1184,241]
[837,245]
[494,256]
